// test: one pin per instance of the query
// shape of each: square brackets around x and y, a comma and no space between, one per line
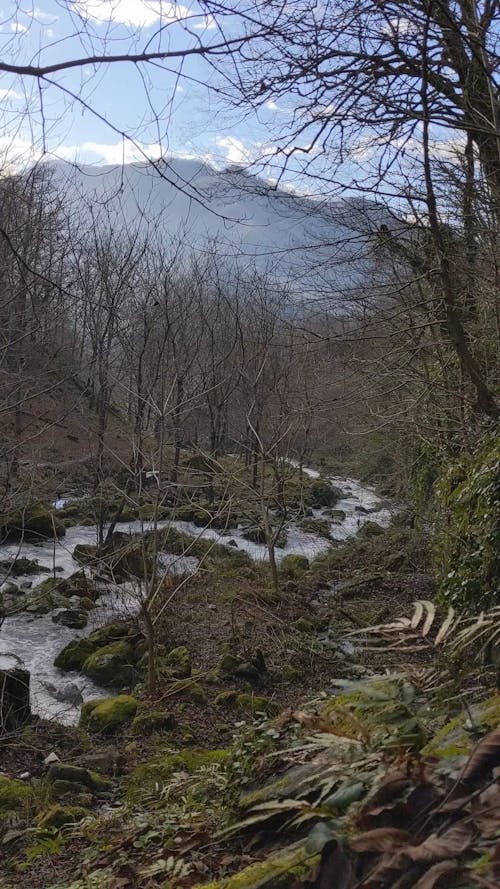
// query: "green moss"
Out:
[178,662]
[322,493]
[108,714]
[59,815]
[67,773]
[14,794]
[370,529]
[156,774]
[154,721]
[256,704]
[73,656]
[85,553]
[187,689]
[294,565]
[112,664]
[303,625]
[288,869]
[467,539]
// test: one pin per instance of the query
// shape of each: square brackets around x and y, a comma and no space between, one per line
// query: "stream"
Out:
[36,640]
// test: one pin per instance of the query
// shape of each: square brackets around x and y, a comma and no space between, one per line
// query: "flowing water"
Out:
[36,640]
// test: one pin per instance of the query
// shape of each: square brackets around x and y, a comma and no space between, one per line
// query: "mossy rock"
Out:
[154,775]
[21,566]
[187,689]
[178,662]
[289,868]
[336,515]
[78,777]
[154,721]
[106,715]
[319,527]
[74,655]
[229,663]
[14,794]
[256,704]
[45,597]
[113,664]
[303,625]
[226,699]
[113,632]
[78,584]
[321,493]
[86,603]
[294,565]
[58,816]
[370,529]
[34,522]
[85,554]
[454,739]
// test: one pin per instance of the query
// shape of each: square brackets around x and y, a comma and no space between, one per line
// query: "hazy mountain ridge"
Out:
[289,235]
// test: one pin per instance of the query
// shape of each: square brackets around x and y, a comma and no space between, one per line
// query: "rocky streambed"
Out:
[35,639]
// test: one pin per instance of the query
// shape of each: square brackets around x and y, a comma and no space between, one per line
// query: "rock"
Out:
[109,761]
[229,663]
[74,618]
[112,665]
[155,721]
[11,589]
[87,603]
[232,543]
[178,663]
[322,493]
[14,693]
[24,776]
[71,774]
[303,625]
[14,795]
[250,672]
[23,566]
[59,815]
[85,554]
[108,714]
[294,565]
[26,585]
[68,694]
[33,522]
[112,632]
[336,515]
[74,655]
[51,758]
[226,699]
[191,690]
[255,704]
[370,529]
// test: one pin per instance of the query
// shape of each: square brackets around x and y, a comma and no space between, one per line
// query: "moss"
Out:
[59,815]
[256,704]
[178,662]
[294,565]
[64,772]
[191,690]
[322,493]
[154,721]
[155,774]
[13,794]
[289,868]
[226,699]
[303,625]
[73,656]
[112,664]
[229,663]
[316,526]
[85,553]
[370,529]
[108,714]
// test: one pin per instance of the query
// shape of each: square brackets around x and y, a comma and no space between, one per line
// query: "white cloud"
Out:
[271,105]
[133,13]
[9,94]
[104,153]
[18,28]
[208,24]
[39,15]
[236,152]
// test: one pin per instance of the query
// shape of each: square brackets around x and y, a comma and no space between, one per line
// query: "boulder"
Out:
[74,655]
[154,721]
[75,618]
[106,715]
[322,493]
[58,816]
[294,565]
[370,529]
[68,694]
[33,522]
[14,692]
[11,589]
[114,631]
[85,553]
[113,664]
[77,775]
[178,663]
[14,795]
[23,566]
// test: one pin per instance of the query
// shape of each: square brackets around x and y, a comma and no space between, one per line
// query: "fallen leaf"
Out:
[484,757]
[389,789]
[436,874]
[381,839]
[452,842]
[485,812]
[335,867]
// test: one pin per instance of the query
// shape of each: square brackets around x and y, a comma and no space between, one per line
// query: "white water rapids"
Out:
[36,640]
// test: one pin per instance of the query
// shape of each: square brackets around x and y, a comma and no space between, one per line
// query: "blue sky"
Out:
[163,113]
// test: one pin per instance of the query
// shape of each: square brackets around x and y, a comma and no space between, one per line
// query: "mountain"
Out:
[307,243]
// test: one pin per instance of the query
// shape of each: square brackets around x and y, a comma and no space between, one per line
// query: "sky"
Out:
[81,114]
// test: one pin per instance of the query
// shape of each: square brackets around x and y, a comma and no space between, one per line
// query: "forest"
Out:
[249,446]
